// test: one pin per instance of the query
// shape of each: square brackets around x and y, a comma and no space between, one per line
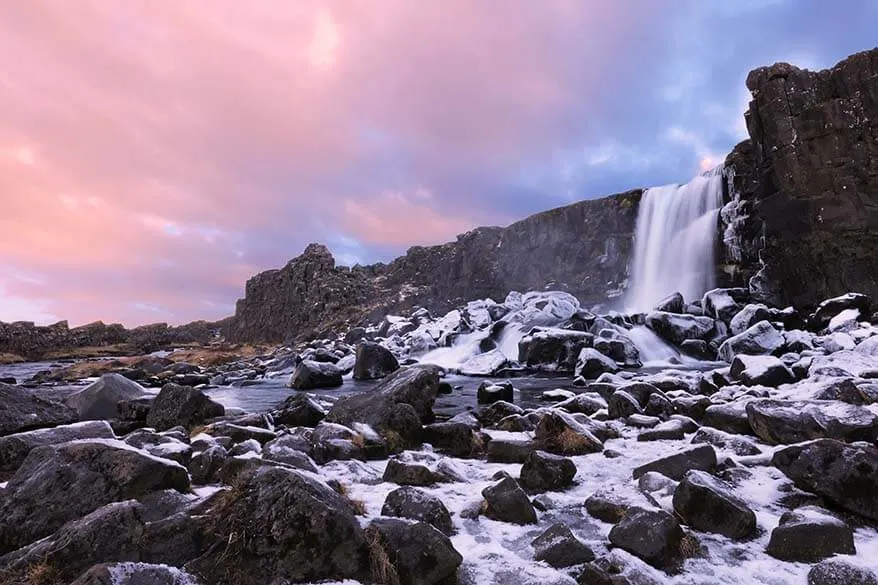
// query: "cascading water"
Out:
[674,241]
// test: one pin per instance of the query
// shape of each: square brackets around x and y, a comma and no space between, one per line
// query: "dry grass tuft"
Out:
[569,442]
[382,568]
[690,547]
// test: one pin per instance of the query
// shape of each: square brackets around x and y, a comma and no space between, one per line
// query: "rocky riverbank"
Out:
[714,440]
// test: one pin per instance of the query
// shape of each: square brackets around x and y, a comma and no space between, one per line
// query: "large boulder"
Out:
[553,350]
[455,438]
[761,370]
[841,572]
[810,534]
[788,422]
[59,483]
[760,339]
[182,406]
[484,364]
[419,505]
[653,536]
[310,375]
[678,328]
[830,308]
[705,503]
[100,400]
[15,448]
[676,466]
[21,411]
[507,502]
[846,475]
[400,403]
[749,316]
[374,361]
[543,471]
[591,363]
[299,410]
[724,303]
[558,547]
[408,553]
[298,530]
[561,434]
[620,568]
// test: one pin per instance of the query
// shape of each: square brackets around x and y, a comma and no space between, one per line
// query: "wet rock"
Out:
[788,422]
[497,411]
[299,410]
[484,364]
[810,534]
[830,308]
[15,448]
[591,363]
[587,403]
[739,445]
[654,536]
[418,505]
[407,473]
[22,411]
[133,574]
[205,467]
[553,350]
[543,471]
[672,430]
[840,572]
[731,418]
[749,316]
[611,505]
[560,433]
[724,303]
[515,424]
[374,361]
[287,449]
[167,447]
[671,304]
[489,393]
[310,375]
[58,483]
[240,433]
[710,505]
[411,554]
[761,370]
[678,328]
[559,548]
[699,349]
[507,502]
[455,439]
[619,568]
[760,339]
[100,400]
[309,532]
[846,475]
[675,466]
[182,406]
[510,451]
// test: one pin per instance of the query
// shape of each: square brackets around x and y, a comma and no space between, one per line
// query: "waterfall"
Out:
[674,241]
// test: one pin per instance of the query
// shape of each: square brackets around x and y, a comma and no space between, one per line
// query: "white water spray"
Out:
[674,241]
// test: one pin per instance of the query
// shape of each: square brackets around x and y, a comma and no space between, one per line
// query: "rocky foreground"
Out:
[759,468]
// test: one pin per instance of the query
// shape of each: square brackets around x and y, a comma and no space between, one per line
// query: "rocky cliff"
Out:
[804,223]
[581,248]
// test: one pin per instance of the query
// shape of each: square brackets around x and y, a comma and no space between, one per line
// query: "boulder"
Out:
[408,553]
[788,422]
[510,450]
[400,403]
[653,536]
[809,535]
[587,403]
[134,574]
[724,303]
[621,405]
[671,304]
[543,471]
[760,339]
[707,504]
[730,417]
[21,411]
[15,448]
[455,439]
[558,547]
[489,393]
[310,375]
[497,411]
[507,502]
[846,475]
[553,350]
[678,328]
[676,466]
[485,364]
[619,568]
[418,505]
[59,483]
[737,444]
[182,406]
[298,529]
[408,473]
[761,370]
[374,361]
[591,363]
[830,308]
[100,400]
[612,504]
[299,410]
[205,466]
[560,433]
[841,572]
[749,316]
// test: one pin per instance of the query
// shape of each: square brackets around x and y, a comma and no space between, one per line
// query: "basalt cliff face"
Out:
[804,225]
[581,248]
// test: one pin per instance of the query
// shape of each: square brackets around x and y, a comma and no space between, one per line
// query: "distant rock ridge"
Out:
[581,248]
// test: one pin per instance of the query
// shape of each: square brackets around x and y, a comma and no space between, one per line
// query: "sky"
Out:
[155,155]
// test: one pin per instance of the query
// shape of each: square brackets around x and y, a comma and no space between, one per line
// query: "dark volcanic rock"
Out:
[618,568]
[58,483]
[15,448]
[133,574]
[298,529]
[846,475]
[415,504]
[182,406]
[761,370]
[840,572]
[591,363]
[299,410]
[760,339]
[553,350]
[489,393]
[310,375]
[21,411]
[560,433]
[407,473]
[808,535]
[678,328]
[543,471]
[559,548]
[675,466]
[710,505]
[507,502]
[829,308]
[787,422]
[651,535]
[100,401]
[374,361]
[412,554]
[455,439]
